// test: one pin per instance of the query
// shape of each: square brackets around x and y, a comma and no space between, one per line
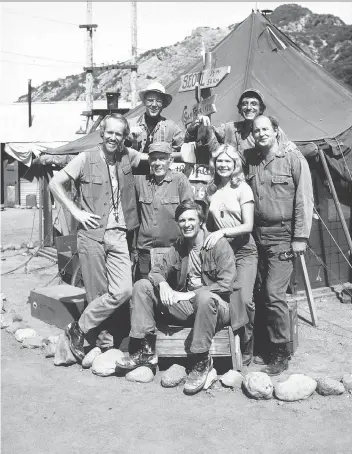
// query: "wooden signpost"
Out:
[201,82]
[196,159]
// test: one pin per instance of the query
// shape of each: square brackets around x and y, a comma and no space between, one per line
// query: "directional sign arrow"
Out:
[205,107]
[206,79]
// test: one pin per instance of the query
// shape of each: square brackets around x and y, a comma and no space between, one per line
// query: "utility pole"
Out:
[134,56]
[29,102]
[89,69]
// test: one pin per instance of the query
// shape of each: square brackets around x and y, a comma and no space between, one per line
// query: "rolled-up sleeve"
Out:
[304,201]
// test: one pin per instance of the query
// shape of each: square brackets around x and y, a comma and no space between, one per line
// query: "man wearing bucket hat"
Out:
[159,193]
[237,133]
[152,126]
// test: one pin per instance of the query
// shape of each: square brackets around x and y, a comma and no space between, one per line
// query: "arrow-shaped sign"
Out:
[206,79]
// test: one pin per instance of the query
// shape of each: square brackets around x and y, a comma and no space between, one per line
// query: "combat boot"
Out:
[75,338]
[145,355]
[278,361]
[202,365]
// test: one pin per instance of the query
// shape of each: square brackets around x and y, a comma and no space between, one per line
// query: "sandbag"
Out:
[63,354]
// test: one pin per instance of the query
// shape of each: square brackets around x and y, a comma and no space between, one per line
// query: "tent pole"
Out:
[41,187]
[336,200]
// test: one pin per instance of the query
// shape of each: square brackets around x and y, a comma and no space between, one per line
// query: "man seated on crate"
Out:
[190,284]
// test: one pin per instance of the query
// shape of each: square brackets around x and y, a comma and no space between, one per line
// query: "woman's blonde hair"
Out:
[237,175]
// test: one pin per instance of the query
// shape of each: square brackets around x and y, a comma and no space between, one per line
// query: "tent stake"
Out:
[336,200]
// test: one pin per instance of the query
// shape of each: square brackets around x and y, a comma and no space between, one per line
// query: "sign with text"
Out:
[207,79]
[205,107]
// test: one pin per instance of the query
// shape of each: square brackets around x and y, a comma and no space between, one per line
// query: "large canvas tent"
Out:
[309,103]
[312,107]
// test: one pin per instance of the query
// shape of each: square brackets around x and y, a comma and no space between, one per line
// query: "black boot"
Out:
[145,355]
[76,340]
[278,361]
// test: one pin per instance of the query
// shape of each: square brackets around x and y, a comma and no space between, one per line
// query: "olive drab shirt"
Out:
[157,204]
[236,134]
[282,188]
[165,131]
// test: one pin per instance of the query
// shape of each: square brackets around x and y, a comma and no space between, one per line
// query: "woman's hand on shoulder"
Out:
[212,239]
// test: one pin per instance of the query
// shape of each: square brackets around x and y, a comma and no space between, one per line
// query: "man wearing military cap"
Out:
[159,193]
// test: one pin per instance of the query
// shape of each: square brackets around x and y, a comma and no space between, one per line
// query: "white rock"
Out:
[6,320]
[347,382]
[33,342]
[15,326]
[258,385]
[173,376]
[105,364]
[22,334]
[211,378]
[142,374]
[49,350]
[2,296]
[63,354]
[329,387]
[232,379]
[53,339]
[90,357]
[16,316]
[296,387]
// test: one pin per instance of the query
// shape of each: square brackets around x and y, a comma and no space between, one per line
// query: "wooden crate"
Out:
[57,305]
[175,341]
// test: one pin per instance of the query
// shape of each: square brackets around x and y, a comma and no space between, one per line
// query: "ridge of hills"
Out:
[324,37]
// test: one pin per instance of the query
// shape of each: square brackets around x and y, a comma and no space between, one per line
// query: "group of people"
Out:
[223,265]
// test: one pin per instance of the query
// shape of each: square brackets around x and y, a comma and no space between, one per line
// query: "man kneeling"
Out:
[190,283]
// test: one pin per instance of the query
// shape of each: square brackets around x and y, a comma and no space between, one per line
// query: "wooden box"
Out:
[175,341]
[293,344]
[57,305]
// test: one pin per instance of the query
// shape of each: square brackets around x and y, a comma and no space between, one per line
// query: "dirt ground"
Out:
[49,409]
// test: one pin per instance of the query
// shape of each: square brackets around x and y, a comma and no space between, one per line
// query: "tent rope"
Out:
[333,274]
[343,157]
[347,260]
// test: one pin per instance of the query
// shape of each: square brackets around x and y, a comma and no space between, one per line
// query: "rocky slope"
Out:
[326,38]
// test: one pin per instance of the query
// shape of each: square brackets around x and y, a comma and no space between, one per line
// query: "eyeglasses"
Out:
[150,101]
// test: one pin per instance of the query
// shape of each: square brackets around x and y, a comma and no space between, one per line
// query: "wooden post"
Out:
[48,239]
[41,190]
[30,103]
[336,200]
[309,293]
[133,80]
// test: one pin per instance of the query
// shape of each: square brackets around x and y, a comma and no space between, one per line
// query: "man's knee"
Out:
[142,286]
[124,293]
[203,299]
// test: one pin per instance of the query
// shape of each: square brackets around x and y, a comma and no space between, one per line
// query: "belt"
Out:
[263,223]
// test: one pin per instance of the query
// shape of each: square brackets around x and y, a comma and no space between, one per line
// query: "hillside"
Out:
[326,38]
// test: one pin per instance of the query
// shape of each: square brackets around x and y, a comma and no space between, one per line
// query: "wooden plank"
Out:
[235,349]
[309,293]
[206,79]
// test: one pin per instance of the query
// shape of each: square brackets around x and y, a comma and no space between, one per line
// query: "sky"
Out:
[41,41]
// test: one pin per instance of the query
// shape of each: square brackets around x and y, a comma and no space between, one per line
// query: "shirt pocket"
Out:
[92,186]
[169,205]
[145,199]
[282,186]
[209,268]
[128,176]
